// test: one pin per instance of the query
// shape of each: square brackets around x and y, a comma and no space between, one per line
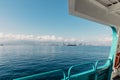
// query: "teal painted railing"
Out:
[113,49]
[101,68]
[43,76]
[102,72]
[81,73]
[91,74]
[79,76]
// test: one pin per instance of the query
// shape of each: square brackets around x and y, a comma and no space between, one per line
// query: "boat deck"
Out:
[116,78]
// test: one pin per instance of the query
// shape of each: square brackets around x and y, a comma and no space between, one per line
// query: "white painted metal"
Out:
[115,7]
[105,2]
[102,11]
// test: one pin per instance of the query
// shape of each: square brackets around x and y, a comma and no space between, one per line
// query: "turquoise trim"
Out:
[114,44]
[103,67]
[113,49]
[35,76]
[70,69]
[94,71]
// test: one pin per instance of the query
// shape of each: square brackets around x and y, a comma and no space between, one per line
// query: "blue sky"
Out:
[47,17]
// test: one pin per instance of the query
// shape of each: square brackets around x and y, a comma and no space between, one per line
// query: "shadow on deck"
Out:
[116,78]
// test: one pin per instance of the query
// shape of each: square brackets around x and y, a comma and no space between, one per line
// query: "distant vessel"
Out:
[1,44]
[71,45]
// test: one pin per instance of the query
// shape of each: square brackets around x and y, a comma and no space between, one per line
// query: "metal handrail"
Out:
[96,64]
[69,71]
[41,74]
[94,67]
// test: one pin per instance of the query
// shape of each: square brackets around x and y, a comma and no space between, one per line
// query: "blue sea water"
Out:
[18,61]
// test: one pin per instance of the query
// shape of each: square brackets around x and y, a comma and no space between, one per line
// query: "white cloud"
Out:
[106,39]
[101,41]
[32,37]
[8,37]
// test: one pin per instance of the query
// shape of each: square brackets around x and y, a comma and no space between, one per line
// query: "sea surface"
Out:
[19,61]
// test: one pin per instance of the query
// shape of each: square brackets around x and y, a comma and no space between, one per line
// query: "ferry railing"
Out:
[45,74]
[98,69]
[82,73]
[94,71]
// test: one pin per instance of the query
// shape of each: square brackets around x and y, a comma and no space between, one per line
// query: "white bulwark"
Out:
[102,11]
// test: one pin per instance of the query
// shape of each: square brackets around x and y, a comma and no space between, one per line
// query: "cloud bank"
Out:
[14,37]
[32,37]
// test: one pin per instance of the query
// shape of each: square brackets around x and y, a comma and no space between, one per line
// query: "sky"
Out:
[47,19]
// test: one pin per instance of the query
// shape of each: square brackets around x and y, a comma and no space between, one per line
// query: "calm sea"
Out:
[17,61]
